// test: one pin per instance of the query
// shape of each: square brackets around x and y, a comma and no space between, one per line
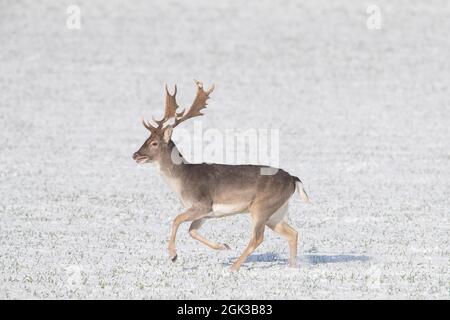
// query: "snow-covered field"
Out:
[364,119]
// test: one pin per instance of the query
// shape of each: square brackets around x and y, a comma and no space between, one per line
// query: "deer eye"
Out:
[154,143]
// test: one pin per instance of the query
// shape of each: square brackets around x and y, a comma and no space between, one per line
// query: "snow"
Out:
[364,119]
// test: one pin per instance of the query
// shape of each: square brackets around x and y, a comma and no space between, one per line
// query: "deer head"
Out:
[159,141]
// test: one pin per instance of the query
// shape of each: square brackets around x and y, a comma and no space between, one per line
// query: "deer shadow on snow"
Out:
[313,259]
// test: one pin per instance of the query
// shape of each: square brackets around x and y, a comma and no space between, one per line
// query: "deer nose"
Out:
[135,155]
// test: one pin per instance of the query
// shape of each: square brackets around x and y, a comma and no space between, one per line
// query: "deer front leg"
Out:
[195,225]
[190,215]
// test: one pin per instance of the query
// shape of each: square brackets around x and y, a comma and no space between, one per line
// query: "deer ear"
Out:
[167,135]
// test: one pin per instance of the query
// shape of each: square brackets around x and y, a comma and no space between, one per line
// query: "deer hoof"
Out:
[233,269]
[226,247]
[174,258]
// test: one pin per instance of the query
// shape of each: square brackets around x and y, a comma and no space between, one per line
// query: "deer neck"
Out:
[171,164]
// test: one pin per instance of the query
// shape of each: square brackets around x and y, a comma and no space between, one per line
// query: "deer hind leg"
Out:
[285,230]
[255,240]
[193,231]
[277,222]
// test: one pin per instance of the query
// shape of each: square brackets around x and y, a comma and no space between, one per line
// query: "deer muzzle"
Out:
[140,158]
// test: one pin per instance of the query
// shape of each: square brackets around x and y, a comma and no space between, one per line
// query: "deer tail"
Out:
[301,190]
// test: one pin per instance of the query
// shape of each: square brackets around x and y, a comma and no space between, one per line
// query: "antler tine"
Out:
[200,102]
[171,105]
[149,126]
[200,85]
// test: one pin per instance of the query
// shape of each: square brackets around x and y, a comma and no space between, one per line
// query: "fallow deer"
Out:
[217,190]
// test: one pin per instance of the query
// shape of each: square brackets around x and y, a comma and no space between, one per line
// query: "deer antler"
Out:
[198,104]
[172,106]
[170,109]
[149,126]
[169,112]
